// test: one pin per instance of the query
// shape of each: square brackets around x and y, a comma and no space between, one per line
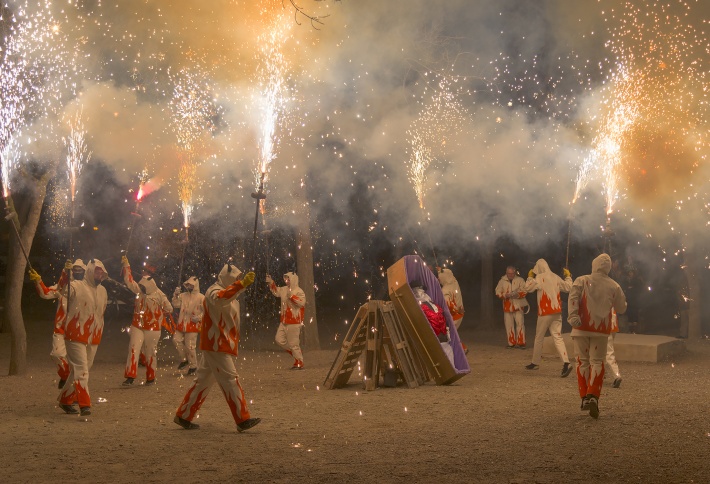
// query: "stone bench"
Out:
[628,347]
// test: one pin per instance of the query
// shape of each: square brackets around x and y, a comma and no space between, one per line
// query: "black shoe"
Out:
[85,411]
[61,384]
[593,407]
[522,347]
[617,383]
[566,370]
[191,371]
[150,382]
[186,424]
[510,347]
[532,366]
[128,382]
[70,409]
[183,365]
[585,403]
[247,424]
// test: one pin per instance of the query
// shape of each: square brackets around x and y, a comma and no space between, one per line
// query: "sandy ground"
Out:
[501,423]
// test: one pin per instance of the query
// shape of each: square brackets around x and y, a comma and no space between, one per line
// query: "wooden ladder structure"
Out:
[377,331]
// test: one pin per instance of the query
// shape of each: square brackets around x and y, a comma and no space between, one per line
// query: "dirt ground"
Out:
[501,423]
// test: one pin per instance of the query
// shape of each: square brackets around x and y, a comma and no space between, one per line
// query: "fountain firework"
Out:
[193,111]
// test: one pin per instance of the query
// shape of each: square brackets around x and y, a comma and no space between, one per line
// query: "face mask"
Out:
[78,275]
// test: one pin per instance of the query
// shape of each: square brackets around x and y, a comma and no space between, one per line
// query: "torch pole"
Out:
[259,195]
[182,257]
[135,216]
[569,230]
[12,218]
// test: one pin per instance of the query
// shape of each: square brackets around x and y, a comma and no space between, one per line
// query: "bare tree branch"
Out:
[314,19]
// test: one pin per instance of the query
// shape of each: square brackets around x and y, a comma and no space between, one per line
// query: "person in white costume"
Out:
[219,342]
[549,311]
[293,303]
[592,302]
[189,322]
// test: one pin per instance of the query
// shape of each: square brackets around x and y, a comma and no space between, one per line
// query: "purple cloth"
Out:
[417,271]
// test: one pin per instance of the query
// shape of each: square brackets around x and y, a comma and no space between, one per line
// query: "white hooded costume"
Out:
[293,302]
[83,331]
[219,340]
[149,311]
[59,349]
[549,308]
[592,302]
[515,305]
[189,321]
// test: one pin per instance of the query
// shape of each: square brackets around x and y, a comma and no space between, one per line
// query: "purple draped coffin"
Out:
[411,268]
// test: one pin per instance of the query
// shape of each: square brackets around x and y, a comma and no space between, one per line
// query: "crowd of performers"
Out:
[594,302]
[214,315]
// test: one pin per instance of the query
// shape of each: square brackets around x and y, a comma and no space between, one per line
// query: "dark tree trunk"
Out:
[304,260]
[28,219]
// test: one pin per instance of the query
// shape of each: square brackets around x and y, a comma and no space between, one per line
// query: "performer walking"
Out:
[549,311]
[82,334]
[145,328]
[511,289]
[592,301]
[59,349]
[189,323]
[293,302]
[219,342]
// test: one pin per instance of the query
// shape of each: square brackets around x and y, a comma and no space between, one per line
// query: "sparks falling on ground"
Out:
[78,153]
[193,112]
[273,92]
[430,135]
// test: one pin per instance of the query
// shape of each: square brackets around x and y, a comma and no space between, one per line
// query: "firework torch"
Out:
[12,218]
[136,215]
[258,196]
[182,256]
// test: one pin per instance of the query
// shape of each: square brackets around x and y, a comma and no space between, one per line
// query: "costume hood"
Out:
[541,267]
[601,263]
[292,280]
[446,277]
[90,267]
[193,280]
[228,275]
[149,284]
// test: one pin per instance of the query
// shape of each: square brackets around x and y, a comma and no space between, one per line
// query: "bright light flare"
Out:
[78,153]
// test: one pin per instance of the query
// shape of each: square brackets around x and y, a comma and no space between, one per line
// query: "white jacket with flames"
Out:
[151,303]
[548,286]
[191,307]
[452,293]
[516,288]
[293,300]
[220,323]
[593,300]
[87,304]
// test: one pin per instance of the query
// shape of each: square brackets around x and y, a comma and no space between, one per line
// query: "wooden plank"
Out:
[371,375]
[407,362]
[350,351]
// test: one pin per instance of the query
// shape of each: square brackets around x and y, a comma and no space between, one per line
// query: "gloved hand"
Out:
[531,273]
[574,321]
[68,265]
[34,276]
[269,280]
[566,273]
[124,261]
[248,279]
